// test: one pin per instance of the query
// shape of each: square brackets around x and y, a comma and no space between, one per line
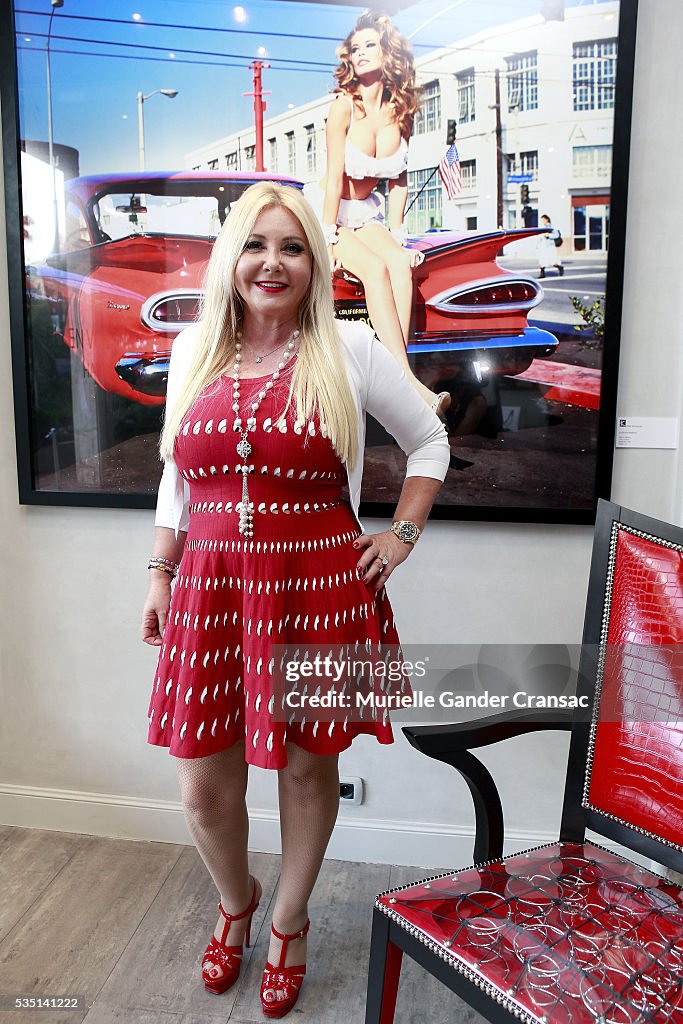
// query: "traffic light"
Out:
[451,129]
[525,194]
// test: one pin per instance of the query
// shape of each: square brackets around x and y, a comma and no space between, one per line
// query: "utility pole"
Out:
[499,154]
[259,107]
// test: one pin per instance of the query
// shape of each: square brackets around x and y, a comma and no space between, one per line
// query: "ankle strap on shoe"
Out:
[295,935]
[286,939]
[245,913]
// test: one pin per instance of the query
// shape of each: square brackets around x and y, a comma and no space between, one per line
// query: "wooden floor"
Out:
[124,924]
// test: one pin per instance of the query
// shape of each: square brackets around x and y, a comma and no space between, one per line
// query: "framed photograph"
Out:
[128,136]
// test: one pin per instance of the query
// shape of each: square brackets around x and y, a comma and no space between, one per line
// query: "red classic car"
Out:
[135,248]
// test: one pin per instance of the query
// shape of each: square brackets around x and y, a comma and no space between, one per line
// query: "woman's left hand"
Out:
[382,553]
[416,259]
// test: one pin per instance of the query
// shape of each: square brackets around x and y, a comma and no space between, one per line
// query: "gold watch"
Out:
[406,531]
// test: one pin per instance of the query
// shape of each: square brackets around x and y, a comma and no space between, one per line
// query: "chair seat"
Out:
[563,933]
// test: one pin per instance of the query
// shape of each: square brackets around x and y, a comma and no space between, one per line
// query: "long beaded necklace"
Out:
[245,507]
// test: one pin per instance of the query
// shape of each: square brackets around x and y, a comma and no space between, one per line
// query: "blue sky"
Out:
[95,84]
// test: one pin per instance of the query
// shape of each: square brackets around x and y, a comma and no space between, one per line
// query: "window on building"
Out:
[522,79]
[428,117]
[272,157]
[529,163]
[471,223]
[525,163]
[426,212]
[466,95]
[592,162]
[250,158]
[468,173]
[311,149]
[212,165]
[595,67]
[291,153]
[231,160]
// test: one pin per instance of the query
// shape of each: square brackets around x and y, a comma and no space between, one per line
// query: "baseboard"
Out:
[372,840]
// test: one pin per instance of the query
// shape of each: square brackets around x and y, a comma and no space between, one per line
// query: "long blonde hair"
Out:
[319,381]
[398,69]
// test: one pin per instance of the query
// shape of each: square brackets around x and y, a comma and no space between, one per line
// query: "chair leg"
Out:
[383,973]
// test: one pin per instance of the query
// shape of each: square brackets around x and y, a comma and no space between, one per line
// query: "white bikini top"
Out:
[358,164]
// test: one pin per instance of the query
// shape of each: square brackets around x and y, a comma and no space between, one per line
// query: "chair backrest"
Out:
[625,774]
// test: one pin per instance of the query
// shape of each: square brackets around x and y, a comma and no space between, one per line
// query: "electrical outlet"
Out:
[350,790]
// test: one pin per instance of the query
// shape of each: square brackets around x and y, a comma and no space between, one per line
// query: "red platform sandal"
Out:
[221,964]
[280,985]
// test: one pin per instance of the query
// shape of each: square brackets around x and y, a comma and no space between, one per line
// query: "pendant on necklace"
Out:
[259,359]
[244,448]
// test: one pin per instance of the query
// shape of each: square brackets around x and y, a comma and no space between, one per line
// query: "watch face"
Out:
[407,532]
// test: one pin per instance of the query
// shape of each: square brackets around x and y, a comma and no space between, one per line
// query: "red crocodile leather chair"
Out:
[571,932]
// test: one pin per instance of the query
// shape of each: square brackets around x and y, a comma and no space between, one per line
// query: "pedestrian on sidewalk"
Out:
[548,244]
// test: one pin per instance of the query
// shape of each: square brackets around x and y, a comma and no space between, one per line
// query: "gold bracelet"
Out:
[164,565]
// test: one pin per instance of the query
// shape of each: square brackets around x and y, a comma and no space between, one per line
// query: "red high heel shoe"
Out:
[227,959]
[280,985]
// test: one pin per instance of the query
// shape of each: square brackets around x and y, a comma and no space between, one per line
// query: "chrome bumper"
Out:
[542,342]
[148,376]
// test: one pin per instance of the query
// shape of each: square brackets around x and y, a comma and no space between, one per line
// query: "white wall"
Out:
[75,680]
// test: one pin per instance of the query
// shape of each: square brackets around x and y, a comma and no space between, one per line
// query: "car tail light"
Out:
[517,292]
[171,311]
[497,295]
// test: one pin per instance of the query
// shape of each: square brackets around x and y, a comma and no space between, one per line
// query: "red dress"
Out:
[294,581]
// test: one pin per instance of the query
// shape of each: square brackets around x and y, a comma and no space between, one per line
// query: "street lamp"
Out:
[48,73]
[171,93]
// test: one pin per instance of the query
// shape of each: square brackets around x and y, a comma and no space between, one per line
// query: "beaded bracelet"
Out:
[164,565]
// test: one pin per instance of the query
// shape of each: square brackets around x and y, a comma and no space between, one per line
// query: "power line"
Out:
[193,28]
[439,51]
[241,63]
[163,60]
[200,53]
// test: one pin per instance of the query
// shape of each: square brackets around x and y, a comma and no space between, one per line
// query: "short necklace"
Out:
[259,359]
[245,507]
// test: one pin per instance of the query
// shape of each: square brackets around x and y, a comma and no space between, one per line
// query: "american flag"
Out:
[449,169]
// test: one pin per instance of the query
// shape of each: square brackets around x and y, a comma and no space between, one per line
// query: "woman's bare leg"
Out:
[360,260]
[397,261]
[213,791]
[309,801]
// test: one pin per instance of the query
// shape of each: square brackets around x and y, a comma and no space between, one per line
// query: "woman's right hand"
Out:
[155,609]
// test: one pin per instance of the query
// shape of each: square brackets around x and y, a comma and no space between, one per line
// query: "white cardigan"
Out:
[379,386]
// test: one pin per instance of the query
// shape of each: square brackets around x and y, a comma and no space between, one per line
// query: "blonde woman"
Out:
[264,422]
[368,128]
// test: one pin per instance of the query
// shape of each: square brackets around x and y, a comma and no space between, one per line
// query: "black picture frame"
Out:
[21,356]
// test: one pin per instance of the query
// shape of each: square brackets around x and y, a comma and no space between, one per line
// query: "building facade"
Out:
[532,106]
